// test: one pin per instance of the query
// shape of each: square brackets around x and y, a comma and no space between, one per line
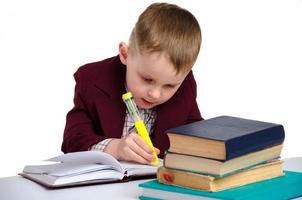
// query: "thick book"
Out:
[224,137]
[288,186]
[192,180]
[218,168]
[86,167]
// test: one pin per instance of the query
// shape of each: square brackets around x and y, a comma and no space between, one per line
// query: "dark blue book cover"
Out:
[240,136]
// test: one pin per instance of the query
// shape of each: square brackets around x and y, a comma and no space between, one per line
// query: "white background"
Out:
[249,65]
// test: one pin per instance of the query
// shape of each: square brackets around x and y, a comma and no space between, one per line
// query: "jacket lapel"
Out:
[110,107]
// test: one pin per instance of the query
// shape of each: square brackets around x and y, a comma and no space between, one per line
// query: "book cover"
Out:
[86,167]
[285,187]
[224,137]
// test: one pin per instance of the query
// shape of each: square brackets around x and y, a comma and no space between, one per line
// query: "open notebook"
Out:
[86,167]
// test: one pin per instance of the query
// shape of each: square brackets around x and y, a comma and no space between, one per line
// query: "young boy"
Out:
[156,68]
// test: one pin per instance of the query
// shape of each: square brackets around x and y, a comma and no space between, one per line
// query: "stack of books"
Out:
[222,153]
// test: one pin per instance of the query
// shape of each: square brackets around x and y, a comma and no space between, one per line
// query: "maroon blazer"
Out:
[99,111]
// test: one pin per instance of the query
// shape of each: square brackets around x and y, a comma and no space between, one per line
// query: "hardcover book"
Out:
[192,180]
[224,137]
[218,168]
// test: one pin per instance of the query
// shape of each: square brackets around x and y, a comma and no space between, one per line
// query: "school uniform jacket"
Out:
[99,111]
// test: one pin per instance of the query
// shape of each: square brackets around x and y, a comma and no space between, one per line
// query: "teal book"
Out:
[285,187]
[224,137]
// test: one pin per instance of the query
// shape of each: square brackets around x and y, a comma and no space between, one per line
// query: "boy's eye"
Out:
[147,80]
[170,86]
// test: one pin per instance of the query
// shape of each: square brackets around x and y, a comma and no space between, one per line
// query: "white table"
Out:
[17,187]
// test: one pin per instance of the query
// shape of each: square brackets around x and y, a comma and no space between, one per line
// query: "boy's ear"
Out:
[123,52]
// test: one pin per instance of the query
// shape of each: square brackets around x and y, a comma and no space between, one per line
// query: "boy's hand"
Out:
[131,148]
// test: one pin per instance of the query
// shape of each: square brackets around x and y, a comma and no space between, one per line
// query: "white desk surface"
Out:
[17,187]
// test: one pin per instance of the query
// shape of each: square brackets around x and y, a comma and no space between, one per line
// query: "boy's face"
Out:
[151,78]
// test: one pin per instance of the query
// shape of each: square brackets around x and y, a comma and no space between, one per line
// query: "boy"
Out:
[156,68]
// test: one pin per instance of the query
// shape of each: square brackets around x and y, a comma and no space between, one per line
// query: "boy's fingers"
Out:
[144,146]
[127,152]
[141,143]
[135,146]
[143,156]
[133,156]
[157,151]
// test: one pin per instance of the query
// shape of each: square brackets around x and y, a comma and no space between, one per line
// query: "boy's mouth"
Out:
[146,102]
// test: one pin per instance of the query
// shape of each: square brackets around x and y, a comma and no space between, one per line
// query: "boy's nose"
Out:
[154,93]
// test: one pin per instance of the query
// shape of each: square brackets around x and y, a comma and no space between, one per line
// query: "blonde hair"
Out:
[164,27]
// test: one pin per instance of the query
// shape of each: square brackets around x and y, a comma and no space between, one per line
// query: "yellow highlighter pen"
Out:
[139,123]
